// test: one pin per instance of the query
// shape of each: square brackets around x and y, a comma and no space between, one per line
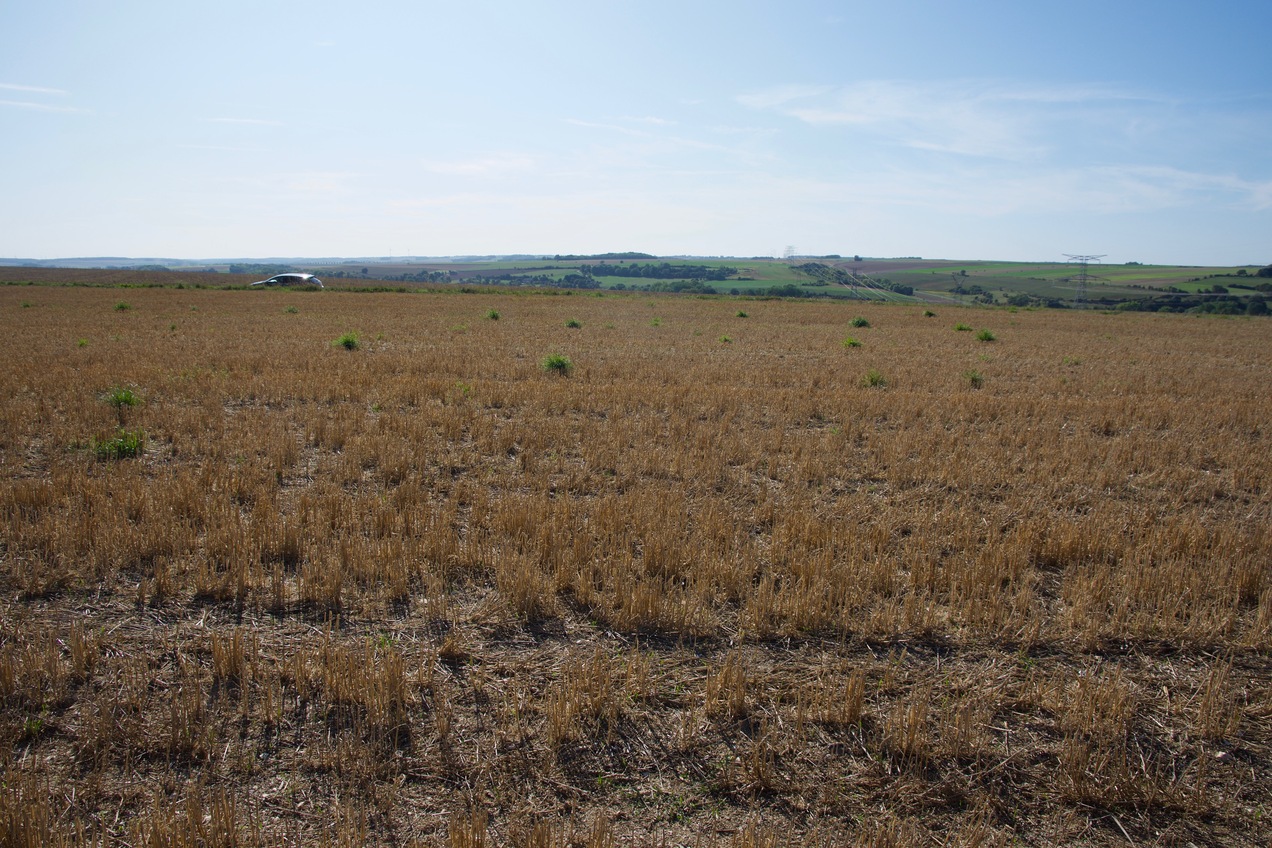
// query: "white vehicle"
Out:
[291,280]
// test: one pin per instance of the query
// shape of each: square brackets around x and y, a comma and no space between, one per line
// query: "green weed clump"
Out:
[291,310]
[121,397]
[974,379]
[348,341]
[726,340]
[874,380]
[742,314]
[962,328]
[492,314]
[928,313]
[985,336]
[126,444]
[574,323]
[557,363]
[850,342]
[123,306]
[859,322]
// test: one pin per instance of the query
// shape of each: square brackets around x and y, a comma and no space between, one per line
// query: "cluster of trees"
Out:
[825,275]
[664,271]
[261,270]
[421,277]
[569,281]
[677,286]
[603,256]
[1211,304]
[664,277]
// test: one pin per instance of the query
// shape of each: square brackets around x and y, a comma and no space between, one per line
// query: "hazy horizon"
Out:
[1004,131]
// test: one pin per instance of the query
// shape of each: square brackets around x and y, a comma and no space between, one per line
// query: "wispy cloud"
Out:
[776,96]
[652,141]
[34,89]
[965,117]
[990,192]
[481,166]
[993,148]
[618,128]
[226,148]
[319,182]
[41,107]
[260,122]
[1157,186]
[297,183]
[647,119]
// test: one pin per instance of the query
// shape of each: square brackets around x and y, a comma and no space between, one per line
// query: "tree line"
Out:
[664,271]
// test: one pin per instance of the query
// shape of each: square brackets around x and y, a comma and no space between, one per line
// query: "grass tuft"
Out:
[874,380]
[120,397]
[859,322]
[574,323]
[125,444]
[985,336]
[851,342]
[962,328]
[557,363]
[348,341]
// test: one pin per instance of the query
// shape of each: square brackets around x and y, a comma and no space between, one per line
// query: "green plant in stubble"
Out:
[557,363]
[125,444]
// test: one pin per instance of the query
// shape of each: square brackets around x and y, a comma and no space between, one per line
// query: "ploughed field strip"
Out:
[712,577]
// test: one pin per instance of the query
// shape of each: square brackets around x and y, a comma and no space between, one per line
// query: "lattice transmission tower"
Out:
[1082,277]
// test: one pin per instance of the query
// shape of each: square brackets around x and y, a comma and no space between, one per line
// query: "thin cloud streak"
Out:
[992,149]
[963,117]
[42,107]
[648,119]
[987,193]
[484,166]
[658,142]
[34,89]
[260,122]
[224,148]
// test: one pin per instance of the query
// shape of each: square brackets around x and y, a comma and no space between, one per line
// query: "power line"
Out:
[1083,277]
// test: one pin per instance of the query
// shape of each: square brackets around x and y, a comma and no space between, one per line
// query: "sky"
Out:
[974,129]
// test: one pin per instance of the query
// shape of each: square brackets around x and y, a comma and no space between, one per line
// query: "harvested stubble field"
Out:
[707,587]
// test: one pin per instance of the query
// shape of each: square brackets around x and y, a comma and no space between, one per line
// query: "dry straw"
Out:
[426,593]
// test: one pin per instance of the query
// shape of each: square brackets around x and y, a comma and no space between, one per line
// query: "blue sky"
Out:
[995,130]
